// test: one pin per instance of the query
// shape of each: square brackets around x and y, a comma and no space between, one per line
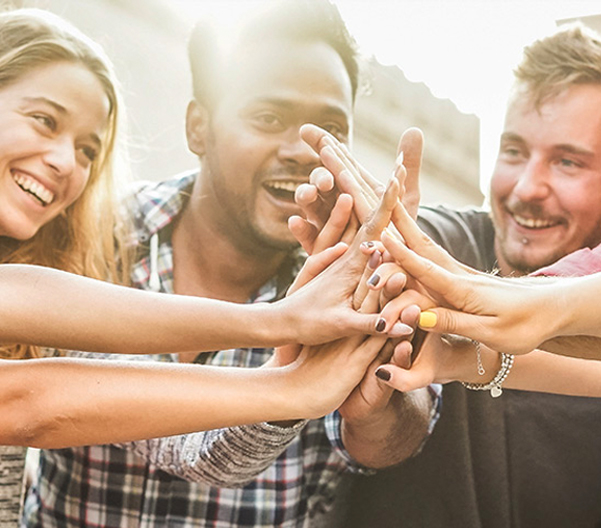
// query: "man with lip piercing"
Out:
[523,459]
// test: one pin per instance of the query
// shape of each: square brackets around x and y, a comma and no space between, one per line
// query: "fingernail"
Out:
[300,193]
[380,325]
[427,319]
[400,158]
[400,330]
[374,260]
[369,244]
[388,232]
[390,182]
[373,280]
[383,374]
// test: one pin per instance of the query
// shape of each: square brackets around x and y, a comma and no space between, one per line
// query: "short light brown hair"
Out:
[570,56]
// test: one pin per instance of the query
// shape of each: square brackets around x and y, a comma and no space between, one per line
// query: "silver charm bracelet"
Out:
[494,386]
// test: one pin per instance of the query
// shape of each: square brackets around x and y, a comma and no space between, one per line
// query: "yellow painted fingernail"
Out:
[427,319]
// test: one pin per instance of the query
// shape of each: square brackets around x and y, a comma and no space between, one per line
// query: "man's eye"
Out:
[568,163]
[511,151]
[269,121]
[336,130]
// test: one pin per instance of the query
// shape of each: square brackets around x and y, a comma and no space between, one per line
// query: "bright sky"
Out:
[463,50]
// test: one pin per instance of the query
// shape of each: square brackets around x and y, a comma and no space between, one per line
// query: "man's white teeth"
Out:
[34,187]
[284,186]
[533,223]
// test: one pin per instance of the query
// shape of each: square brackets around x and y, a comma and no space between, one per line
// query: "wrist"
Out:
[273,325]
[467,356]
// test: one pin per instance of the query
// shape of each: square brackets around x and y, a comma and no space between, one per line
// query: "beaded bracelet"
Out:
[494,386]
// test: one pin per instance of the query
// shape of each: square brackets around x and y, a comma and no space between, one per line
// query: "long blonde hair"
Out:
[89,237]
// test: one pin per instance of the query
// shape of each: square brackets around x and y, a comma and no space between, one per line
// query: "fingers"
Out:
[375,258]
[422,244]
[314,208]
[338,224]
[446,321]
[304,232]
[348,179]
[373,228]
[349,176]
[402,354]
[402,379]
[305,195]
[322,179]
[393,311]
[425,271]
[411,145]
[390,279]
[335,228]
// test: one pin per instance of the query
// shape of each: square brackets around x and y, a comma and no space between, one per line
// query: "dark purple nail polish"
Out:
[374,260]
[369,244]
[373,280]
[380,325]
[383,374]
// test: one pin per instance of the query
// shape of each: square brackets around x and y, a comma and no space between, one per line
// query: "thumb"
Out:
[404,380]
[368,324]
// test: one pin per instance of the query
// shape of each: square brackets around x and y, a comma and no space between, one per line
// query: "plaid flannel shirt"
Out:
[191,480]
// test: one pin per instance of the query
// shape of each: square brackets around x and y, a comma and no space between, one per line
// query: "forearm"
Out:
[392,435]
[54,403]
[229,457]
[140,322]
[544,372]
[579,313]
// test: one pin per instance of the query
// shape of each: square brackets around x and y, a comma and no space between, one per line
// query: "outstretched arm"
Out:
[444,359]
[46,307]
[59,402]
[510,315]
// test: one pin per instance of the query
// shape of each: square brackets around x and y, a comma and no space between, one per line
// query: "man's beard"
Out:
[237,219]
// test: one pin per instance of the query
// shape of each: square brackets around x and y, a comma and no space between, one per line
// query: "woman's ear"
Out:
[197,124]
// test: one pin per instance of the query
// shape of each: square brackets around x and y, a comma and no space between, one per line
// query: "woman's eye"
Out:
[90,153]
[46,120]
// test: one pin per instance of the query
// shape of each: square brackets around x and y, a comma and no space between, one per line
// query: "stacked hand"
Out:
[339,199]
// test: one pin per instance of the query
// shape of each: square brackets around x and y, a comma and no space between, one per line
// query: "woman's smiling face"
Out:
[52,120]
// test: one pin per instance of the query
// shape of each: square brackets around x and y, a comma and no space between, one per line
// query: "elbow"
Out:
[26,422]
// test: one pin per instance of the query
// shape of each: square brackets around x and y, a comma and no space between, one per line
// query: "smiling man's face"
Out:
[546,186]
[253,157]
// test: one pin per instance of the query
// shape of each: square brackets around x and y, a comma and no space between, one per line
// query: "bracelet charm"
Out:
[494,386]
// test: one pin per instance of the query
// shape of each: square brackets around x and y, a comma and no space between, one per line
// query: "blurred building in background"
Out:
[147,42]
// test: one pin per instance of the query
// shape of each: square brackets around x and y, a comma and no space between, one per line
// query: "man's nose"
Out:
[294,150]
[533,183]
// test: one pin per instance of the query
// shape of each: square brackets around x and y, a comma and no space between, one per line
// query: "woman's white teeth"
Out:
[34,187]
[533,223]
